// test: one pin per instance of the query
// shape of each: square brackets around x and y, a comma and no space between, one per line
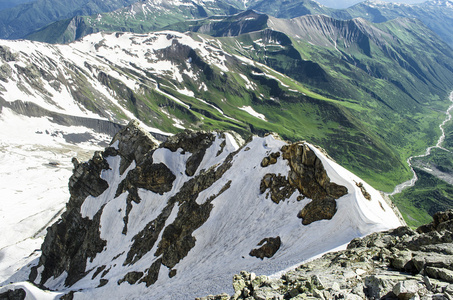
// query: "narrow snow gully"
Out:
[400,187]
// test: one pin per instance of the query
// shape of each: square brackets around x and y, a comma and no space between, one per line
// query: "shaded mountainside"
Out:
[398,264]
[18,21]
[144,220]
[436,15]
[140,17]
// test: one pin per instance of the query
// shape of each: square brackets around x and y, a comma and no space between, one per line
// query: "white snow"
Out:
[113,177]
[241,216]
[252,112]
[248,84]
[33,293]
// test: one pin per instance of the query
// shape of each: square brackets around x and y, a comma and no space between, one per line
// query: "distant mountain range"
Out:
[49,21]
[21,20]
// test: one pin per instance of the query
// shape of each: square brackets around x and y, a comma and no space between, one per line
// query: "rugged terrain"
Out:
[366,119]
[145,16]
[397,264]
[143,219]
[370,94]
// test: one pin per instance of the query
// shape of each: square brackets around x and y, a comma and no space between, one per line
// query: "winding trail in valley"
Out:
[400,187]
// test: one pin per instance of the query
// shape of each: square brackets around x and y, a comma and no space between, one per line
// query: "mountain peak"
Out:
[441,3]
[146,220]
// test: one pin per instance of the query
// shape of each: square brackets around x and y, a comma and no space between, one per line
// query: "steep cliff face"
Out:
[179,219]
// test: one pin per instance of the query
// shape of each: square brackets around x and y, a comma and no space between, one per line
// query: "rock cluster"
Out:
[69,244]
[308,176]
[74,239]
[398,264]
[269,246]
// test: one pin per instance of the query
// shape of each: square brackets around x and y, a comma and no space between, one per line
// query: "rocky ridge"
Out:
[145,218]
[401,263]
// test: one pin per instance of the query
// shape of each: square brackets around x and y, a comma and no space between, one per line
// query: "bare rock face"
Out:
[70,243]
[308,176]
[18,294]
[193,142]
[269,246]
[133,144]
[75,239]
[316,210]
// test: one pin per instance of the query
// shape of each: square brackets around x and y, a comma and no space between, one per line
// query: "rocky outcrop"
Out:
[70,242]
[193,142]
[269,246]
[17,294]
[133,144]
[142,215]
[363,190]
[396,264]
[73,240]
[308,176]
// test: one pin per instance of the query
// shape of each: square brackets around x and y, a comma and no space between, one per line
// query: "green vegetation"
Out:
[433,191]
[429,196]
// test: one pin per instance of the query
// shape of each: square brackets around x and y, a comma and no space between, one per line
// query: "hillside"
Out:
[367,67]
[436,15]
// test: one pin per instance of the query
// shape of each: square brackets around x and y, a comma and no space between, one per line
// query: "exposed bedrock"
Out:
[308,176]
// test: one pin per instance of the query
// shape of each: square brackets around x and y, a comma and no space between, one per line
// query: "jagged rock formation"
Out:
[308,176]
[145,219]
[398,264]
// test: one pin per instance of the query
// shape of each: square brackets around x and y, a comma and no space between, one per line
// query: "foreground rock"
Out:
[398,264]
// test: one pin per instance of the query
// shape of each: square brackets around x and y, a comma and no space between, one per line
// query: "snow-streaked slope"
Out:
[47,75]
[122,76]
[240,217]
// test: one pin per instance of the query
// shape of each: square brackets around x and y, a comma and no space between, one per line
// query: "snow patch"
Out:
[252,112]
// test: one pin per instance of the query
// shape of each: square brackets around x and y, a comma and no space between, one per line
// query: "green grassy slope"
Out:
[390,98]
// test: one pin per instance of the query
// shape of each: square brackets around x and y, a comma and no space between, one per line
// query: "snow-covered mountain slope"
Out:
[178,220]
[35,166]
[167,80]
